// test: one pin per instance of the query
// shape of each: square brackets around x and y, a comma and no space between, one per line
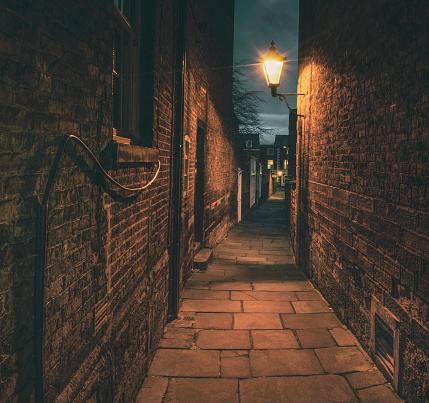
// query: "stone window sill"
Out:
[125,153]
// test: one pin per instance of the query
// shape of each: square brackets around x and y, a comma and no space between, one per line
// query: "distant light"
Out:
[280,173]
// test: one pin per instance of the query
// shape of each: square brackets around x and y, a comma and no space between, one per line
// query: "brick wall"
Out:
[208,100]
[360,209]
[106,280]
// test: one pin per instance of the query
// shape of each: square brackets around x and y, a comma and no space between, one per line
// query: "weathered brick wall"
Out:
[106,281]
[56,69]
[361,208]
[52,83]
[208,89]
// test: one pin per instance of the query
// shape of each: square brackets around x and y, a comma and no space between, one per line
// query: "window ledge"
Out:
[132,154]
[119,154]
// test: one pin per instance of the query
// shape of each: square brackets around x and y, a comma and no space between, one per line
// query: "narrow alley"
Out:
[252,328]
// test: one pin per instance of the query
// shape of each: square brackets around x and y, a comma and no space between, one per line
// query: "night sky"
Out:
[257,23]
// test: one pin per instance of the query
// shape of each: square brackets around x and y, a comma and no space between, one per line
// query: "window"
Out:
[186,159]
[248,143]
[252,166]
[270,164]
[270,151]
[285,165]
[125,75]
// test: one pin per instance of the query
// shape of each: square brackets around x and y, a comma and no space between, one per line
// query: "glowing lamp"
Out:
[272,64]
[273,67]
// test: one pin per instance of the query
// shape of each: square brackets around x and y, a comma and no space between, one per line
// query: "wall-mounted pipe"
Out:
[41,238]
[176,210]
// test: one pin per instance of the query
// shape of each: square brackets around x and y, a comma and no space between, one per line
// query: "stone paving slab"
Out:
[315,338]
[254,278]
[284,363]
[273,339]
[199,285]
[263,295]
[377,394]
[310,320]
[202,391]
[310,307]
[223,340]
[234,364]
[208,276]
[205,305]
[361,380]
[177,338]
[153,390]
[184,320]
[340,360]
[342,337]
[251,277]
[220,265]
[185,363]
[308,389]
[267,306]
[251,260]
[257,321]
[213,321]
[273,251]
[292,286]
[232,286]
[282,259]
[204,294]
[308,296]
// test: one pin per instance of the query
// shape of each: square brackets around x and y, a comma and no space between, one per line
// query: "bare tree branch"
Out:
[247,104]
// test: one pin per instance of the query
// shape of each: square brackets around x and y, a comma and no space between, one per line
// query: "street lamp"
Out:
[273,68]
[272,64]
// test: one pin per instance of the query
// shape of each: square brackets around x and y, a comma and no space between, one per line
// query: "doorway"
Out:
[240,179]
[200,165]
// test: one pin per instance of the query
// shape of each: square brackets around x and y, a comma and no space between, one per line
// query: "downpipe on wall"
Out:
[179,70]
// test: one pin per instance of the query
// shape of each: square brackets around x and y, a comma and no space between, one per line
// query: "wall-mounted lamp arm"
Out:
[283,96]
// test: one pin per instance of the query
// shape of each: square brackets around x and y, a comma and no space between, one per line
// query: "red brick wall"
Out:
[104,256]
[208,89]
[361,208]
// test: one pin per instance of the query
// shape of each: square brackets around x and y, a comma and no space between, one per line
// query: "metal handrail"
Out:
[41,240]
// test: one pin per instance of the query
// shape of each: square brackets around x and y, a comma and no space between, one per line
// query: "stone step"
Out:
[203,258]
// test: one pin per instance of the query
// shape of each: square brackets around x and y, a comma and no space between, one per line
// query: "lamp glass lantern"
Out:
[273,67]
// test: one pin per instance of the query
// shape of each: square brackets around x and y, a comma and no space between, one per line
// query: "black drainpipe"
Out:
[178,102]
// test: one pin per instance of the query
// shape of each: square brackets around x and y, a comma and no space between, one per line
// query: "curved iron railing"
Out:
[41,234]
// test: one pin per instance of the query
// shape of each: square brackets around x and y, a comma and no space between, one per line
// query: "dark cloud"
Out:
[277,123]
[257,22]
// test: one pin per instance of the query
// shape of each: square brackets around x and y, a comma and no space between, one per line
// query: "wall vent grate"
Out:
[100,315]
[385,342]
[384,345]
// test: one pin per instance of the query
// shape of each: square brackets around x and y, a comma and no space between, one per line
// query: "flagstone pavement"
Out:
[252,328]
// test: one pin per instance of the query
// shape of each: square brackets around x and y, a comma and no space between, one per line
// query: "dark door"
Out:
[199,183]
